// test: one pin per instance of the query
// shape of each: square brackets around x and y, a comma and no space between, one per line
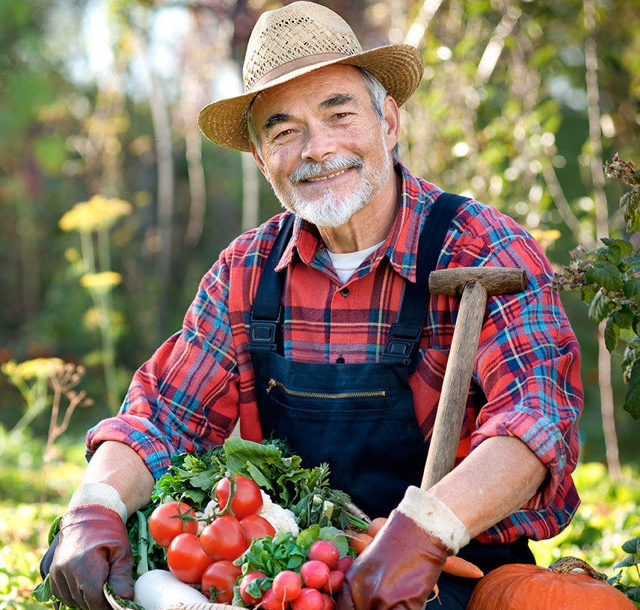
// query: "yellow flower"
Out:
[72,255]
[38,368]
[95,214]
[101,281]
[545,238]
[92,318]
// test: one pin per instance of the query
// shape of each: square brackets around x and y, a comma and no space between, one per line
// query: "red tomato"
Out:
[170,519]
[286,586]
[244,583]
[186,558]
[223,538]
[218,581]
[255,526]
[309,599]
[247,499]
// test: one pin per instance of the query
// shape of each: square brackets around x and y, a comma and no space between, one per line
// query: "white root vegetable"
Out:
[159,589]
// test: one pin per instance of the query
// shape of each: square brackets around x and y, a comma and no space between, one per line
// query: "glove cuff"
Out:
[99,493]
[434,517]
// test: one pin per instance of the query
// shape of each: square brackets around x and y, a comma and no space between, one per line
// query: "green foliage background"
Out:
[74,124]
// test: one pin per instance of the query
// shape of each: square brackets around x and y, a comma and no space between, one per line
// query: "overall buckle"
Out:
[402,343]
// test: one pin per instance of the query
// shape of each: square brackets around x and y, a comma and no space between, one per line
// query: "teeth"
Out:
[342,171]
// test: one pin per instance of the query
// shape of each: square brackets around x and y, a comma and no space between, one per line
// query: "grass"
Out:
[32,494]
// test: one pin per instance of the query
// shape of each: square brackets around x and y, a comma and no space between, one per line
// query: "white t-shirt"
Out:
[346,264]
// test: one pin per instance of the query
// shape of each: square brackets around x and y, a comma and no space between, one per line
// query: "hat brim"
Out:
[398,67]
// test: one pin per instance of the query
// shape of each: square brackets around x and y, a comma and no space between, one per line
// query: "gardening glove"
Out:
[93,549]
[401,566]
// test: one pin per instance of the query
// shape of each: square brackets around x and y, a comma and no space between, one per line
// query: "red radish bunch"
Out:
[319,580]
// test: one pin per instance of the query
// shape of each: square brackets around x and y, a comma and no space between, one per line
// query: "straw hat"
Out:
[292,41]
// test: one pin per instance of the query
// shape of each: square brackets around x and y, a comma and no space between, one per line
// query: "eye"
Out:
[341,115]
[282,134]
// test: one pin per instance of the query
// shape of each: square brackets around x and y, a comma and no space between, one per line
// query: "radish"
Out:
[314,573]
[286,586]
[344,563]
[334,581]
[157,589]
[244,583]
[325,551]
[271,602]
[328,602]
[309,599]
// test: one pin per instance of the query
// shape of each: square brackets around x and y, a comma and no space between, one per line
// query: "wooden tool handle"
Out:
[496,280]
[455,386]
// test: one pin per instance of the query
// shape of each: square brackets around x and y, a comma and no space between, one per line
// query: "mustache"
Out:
[311,169]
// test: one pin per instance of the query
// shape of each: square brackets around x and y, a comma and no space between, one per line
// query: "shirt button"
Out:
[340,360]
[345,292]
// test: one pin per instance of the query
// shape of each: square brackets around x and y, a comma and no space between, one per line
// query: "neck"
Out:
[368,226]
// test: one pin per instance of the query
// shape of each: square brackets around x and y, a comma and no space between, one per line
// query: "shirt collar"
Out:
[401,245]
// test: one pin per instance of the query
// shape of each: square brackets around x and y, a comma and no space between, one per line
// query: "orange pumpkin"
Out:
[568,584]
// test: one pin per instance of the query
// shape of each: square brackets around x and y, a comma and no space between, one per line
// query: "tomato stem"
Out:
[233,486]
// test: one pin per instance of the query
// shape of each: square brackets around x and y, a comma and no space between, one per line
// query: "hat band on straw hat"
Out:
[295,64]
[294,40]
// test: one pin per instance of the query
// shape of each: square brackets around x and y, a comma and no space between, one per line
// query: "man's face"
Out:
[323,148]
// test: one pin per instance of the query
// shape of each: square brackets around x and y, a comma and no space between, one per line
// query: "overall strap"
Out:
[266,313]
[404,336]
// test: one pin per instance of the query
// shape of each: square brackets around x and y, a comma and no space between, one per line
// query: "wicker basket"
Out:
[114,604]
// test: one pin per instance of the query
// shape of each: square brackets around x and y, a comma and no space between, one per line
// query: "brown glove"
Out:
[93,549]
[401,566]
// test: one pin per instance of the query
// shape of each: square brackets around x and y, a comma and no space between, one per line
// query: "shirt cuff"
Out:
[139,434]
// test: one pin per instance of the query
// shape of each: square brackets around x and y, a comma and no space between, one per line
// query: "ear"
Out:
[260,162]
[392,122]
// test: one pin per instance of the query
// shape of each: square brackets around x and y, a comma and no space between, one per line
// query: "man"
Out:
[317,327]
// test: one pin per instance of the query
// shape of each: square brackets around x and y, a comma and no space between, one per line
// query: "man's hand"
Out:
[93,549]
[401,566]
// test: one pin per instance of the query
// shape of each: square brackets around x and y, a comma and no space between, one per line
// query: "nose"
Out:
[318,144]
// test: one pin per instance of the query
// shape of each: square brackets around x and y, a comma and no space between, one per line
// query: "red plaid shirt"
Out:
[192,391]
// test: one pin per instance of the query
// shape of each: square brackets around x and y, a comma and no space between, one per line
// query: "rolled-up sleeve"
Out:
[528,366]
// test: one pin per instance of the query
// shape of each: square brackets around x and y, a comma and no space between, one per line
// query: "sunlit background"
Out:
[112,204]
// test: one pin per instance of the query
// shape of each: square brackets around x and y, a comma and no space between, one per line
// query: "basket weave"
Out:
[116,606]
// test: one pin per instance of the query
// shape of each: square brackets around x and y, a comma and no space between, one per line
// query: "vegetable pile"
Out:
[243,524]
[246,525]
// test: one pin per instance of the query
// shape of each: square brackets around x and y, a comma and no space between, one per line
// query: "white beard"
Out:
[328,211]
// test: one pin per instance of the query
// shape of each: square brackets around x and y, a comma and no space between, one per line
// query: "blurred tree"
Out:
[34,99]
[502,114]
[511,111]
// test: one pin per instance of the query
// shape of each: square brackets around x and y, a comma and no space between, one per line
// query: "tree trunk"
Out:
[602,230]
[165,180]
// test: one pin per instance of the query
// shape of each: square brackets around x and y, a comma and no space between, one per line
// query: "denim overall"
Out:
[359,418]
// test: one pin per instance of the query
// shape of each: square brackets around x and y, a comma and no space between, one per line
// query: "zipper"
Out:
[273,384]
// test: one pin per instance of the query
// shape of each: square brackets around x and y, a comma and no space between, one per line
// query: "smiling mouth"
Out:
[327,177]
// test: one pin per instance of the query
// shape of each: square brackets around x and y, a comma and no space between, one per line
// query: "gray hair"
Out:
[377,94]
